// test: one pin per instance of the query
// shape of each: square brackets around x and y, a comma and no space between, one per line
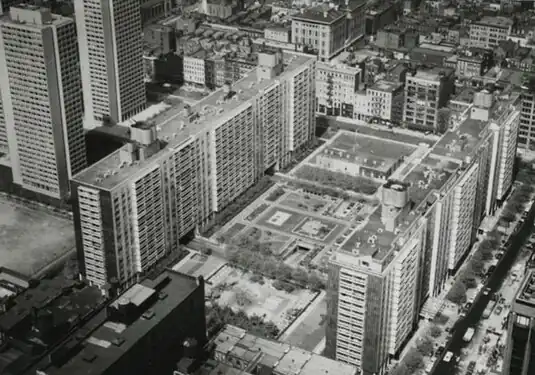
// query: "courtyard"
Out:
[31,238]
[238,290]
[298,226]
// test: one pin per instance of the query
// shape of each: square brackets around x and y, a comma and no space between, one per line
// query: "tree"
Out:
[477,264]
[457,293]
[435,331]
[400,369]
[443,119]
[242,298]
[425,346]
[468,278]
[413,360]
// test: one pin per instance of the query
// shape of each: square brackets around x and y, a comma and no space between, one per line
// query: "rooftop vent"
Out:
[118,341]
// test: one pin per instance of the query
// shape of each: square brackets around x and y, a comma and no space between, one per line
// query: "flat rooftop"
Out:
[367,150]
[424,178]
[326,14]
[431,74]
[461,142]
[494,21]
[111,340]
[386,86]
[465,96]
[182,122]
[526,292]
[32,237]
[283,358]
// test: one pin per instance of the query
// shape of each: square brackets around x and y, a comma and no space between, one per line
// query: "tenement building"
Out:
[188,164]
[42,119]
[397,260]
[328,28]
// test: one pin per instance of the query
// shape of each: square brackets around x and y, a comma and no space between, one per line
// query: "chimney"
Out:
[325,14]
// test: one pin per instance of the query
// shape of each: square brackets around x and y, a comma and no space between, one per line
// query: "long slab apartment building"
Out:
[399,259]
[134,205]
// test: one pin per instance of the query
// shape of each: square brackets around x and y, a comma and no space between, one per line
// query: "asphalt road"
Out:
[475,314]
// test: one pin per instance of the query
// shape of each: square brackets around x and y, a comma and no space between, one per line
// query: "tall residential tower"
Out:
[111,59]
[42,99]
[135,205]
[382,278]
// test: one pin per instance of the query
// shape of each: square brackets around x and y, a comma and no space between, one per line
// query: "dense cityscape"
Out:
[283,187]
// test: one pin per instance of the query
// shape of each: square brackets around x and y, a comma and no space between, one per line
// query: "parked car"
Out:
[439,351]
[499,255]
[491,270]
[498,310]
[486,291]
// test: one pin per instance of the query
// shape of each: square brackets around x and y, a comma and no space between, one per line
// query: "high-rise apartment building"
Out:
[519,358]
[111,59]
[526,138]
[425,93]
[328,28]
[42,99]
[431,207]
[135,205]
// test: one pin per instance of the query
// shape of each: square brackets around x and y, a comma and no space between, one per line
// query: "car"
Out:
[486,291]
[467,306]
[498,310]
[491,270]
[440,351]
[499,255]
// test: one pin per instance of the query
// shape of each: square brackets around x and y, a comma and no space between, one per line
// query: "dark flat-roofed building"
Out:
[146,330]
[40,318]
[519,358]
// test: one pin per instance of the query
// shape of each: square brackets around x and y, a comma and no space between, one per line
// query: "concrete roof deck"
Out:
[174,127]
[325,14]
[386,86]
[526,292]
[429,175]
[495,21]
[461,142]
[284,358]
[369,148]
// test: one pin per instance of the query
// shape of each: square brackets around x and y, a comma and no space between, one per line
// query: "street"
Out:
[474,316]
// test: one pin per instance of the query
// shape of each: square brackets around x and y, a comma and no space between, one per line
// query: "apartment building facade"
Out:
[386,100]
[336,85]
[111,59]
[488,32]
[425,93]
[134,206]
[526,137]
[42,100]
[376,292]
[329,29]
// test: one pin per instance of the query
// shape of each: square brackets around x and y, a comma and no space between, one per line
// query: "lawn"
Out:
[311,331]
[339,180]
[232,287]
[234,230]
[257,211]
[31,238]
[275,241]
[304,202]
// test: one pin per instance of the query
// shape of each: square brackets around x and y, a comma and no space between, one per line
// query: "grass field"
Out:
[263,299]
[31,238]
[303,202]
